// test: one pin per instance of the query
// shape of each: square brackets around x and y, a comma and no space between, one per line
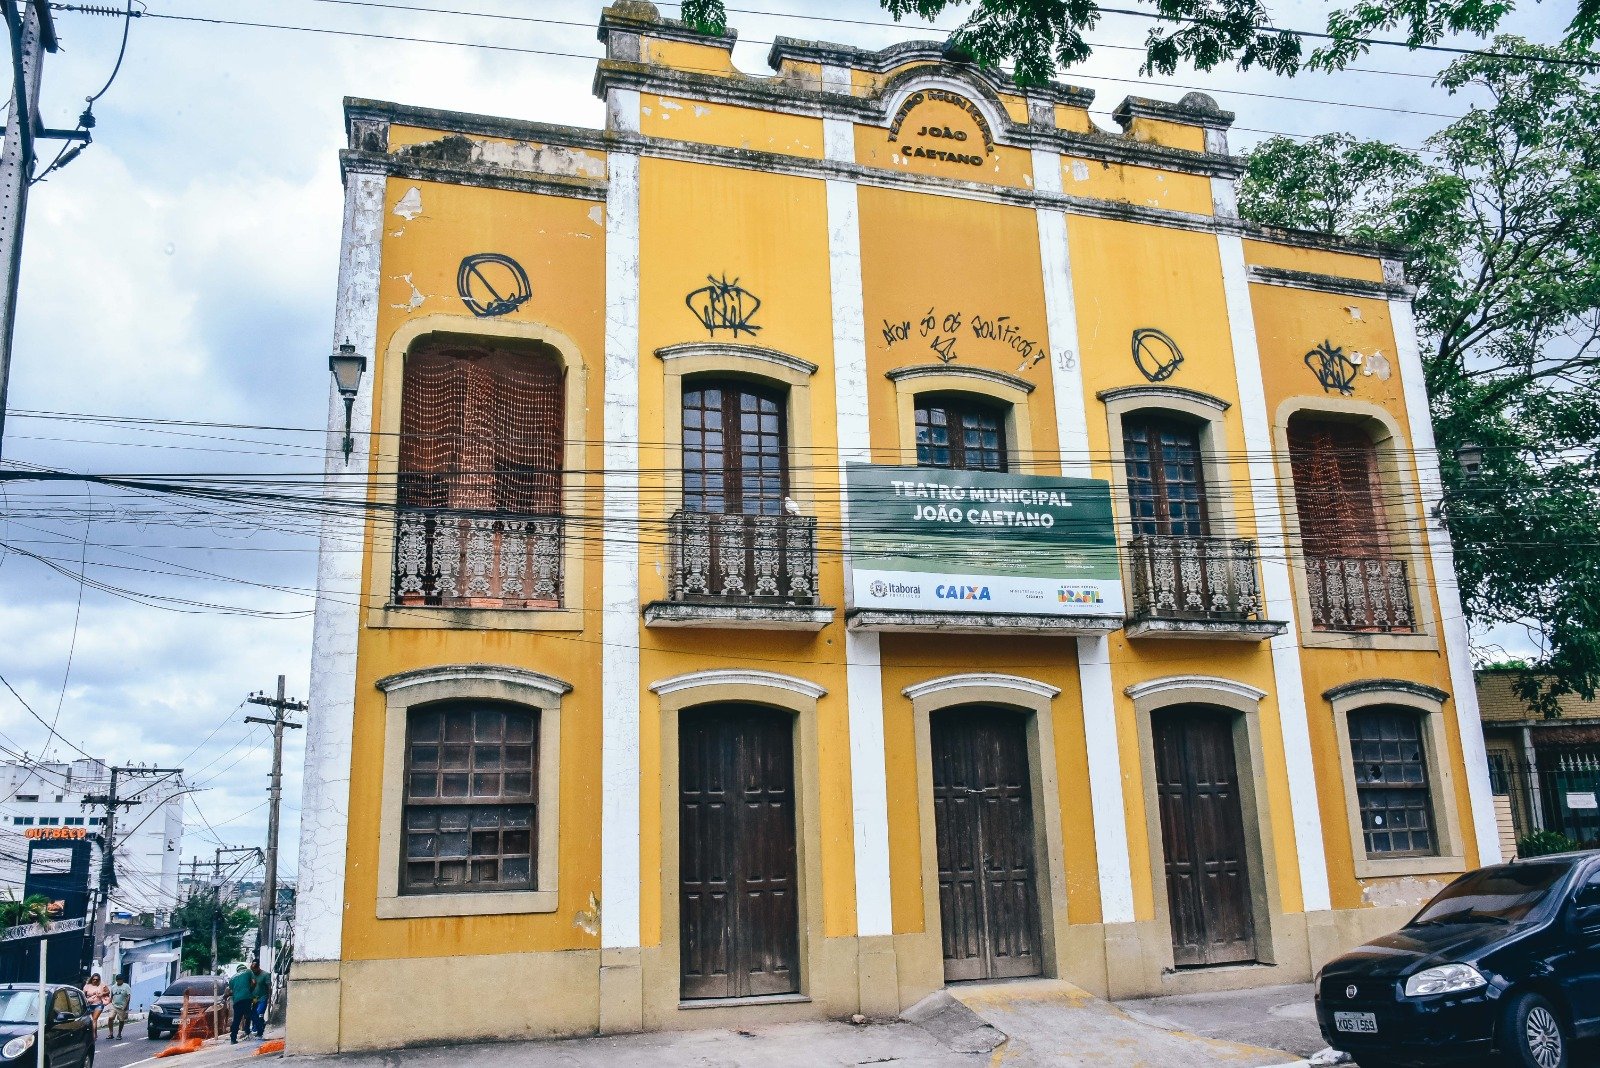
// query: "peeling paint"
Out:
[1080,171]
[417,298]
[588,920]
[699,111]
[1410,891]
[1355,312]
[410,205]
[509,155]
[596,216]
[668,105]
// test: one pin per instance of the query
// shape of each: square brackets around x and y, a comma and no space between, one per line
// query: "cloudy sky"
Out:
[179,279]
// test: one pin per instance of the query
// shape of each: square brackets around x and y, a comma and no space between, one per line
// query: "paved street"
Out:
[1282,1017]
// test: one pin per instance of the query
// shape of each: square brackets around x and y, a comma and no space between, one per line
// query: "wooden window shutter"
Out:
[1337,489]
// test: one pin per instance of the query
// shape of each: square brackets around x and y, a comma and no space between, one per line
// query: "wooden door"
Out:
[738,914]
[1202,838]
[983,820]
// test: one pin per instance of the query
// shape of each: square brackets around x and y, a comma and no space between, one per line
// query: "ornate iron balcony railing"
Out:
[1199,578]
[719,558]
[473,560]
[1360,593]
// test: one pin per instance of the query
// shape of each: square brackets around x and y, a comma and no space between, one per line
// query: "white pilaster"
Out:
[619,665]
[1276,583]
[1453,620]
[330,722]
[1094,653]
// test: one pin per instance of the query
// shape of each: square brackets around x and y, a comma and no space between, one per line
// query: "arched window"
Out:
[1166,485]
[481,428]
[1391,772]
[960,431]
[735,447]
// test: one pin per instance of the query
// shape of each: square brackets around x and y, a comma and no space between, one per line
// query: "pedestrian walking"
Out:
[98,995]
[261,991]
[241,989]
[121,995]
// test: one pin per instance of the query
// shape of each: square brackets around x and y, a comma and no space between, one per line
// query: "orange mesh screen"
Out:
[1336,490]
[481,430]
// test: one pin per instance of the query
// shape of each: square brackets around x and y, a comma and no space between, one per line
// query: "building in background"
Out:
[149,956]
[1545,772]
[43,796]
[833,534]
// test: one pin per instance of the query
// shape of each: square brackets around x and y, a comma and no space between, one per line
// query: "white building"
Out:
[48,795]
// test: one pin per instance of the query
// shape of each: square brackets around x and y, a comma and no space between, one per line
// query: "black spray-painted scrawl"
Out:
[1155,354]
[723,305]
[492,284]
[1333,368]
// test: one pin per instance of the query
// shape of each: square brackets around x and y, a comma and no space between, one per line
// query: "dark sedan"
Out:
[1505,960]
[206,993]
[68,1028]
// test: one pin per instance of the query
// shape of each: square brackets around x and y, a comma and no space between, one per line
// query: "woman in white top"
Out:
[98,995]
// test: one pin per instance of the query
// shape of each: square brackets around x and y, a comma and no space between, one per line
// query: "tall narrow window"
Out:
[1355,581]
[1166,489]
[472,784]
[735,448]
[1391,771]
[961,432]
[479,494]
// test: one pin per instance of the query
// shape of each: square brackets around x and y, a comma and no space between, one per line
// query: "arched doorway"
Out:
[1203,836]
[983,817]
[738,893]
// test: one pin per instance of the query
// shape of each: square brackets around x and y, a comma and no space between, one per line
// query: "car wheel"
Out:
[152,1032]
[1532,1034]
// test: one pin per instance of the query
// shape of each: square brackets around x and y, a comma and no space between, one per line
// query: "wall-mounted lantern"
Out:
[1470,457]
[347,368]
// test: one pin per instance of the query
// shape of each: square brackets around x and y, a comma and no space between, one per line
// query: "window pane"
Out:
[1391,773]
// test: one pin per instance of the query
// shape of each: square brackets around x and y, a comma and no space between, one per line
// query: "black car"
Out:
[1505,960]
[68,1028]
[206,993]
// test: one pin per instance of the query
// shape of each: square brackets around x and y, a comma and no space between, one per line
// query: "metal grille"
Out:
[1391,774]
[470,810]
[1359,593]
[1166,491]
[721,558]
[1194,578]
[735,446]
[961,433]
[465,561]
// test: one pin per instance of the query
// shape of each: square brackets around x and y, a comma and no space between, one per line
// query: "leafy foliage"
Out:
[1040,36]
[1504,249]
[35,908]
[1543,843]
[196,916]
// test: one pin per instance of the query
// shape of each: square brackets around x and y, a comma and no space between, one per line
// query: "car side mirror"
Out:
[63,1017]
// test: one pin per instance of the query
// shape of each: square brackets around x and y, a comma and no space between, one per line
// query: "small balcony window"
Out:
[961,432]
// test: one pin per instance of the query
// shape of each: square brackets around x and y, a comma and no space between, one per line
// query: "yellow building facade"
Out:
[637,705]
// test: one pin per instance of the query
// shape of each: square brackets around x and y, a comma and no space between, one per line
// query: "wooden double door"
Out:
[738,910]
[1203,837]
[983,820]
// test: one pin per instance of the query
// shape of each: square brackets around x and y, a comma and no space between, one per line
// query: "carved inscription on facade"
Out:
[940,141]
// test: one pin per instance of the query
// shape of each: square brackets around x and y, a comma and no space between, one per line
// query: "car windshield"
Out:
[200,987]
[1504,894]
[19,1006]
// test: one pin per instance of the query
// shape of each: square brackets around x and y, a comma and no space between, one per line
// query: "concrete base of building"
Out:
[381,1004]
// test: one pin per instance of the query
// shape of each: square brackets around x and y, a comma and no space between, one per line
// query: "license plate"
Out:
[1360,1023]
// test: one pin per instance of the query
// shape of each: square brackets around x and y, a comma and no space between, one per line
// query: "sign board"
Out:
[927,539]
[63,833]
[1581,799]
[34,930]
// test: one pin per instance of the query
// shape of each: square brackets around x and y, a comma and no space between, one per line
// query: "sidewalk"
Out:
[1281,1016]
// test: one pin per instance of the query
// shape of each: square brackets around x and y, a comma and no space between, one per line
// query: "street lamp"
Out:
[1470,457]
[347,368]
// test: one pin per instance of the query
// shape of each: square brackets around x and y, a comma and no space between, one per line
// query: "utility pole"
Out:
[29,21]
[281,706]
[108,849]
[216,893]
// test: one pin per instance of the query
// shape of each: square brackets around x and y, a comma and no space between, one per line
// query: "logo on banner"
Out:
[1079,595]
[961,593]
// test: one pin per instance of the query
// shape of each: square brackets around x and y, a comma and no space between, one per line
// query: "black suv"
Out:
[207,993]
[1505,960]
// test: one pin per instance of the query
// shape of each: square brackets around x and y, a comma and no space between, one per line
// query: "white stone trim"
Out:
[694,679]
[869,785]
[1108,806]
[724,350]
[1005,682]
[1452,617]
[330,725]
[1277,586]
[1156,687]
[546,685]
[619,663]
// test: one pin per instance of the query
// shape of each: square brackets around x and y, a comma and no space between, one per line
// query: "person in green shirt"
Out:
[241,989]
[260,990]
[121,994]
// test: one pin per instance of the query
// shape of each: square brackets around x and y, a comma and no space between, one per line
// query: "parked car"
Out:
[208,994]
[1505,960]
[68,1029]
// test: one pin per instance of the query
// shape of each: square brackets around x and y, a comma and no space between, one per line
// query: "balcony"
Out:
[1360,594]
[734,570]
[475,560]
[1196,587]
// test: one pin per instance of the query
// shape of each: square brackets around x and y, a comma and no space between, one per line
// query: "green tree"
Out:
[196,916]
[1499,221]
[35,908]
[1038,36]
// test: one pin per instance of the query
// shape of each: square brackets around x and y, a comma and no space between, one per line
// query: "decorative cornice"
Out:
[1378,687]
[1120,393]
[472,174]
[941,370]
[1169,683]
[511,676]
[727,350]
[1327,283]
[631,16]
[983,679]
[1195,109]
[722,677]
